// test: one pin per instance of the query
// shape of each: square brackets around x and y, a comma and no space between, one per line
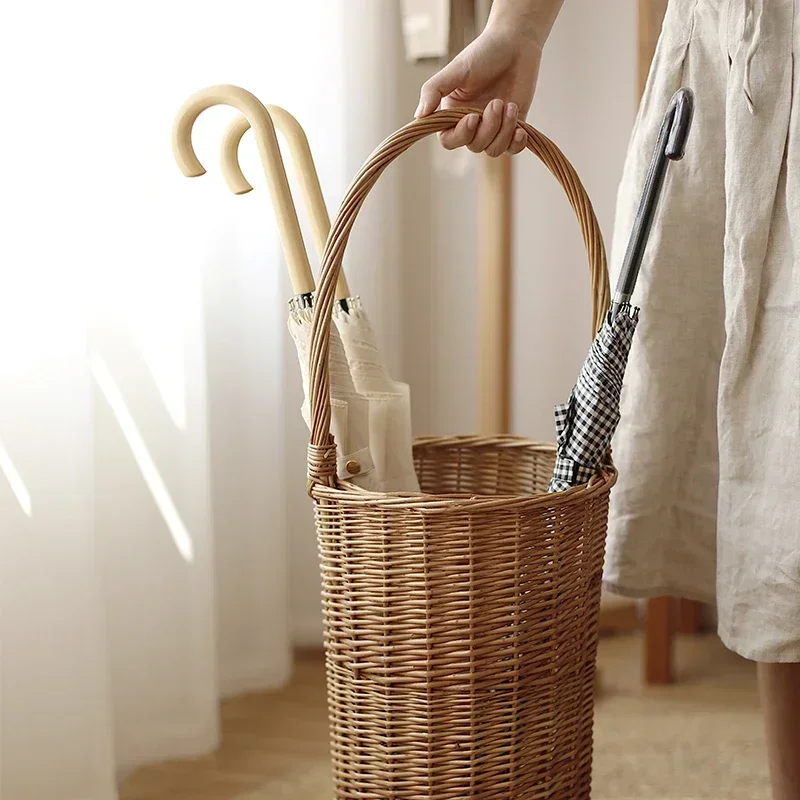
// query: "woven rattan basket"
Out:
[461,623]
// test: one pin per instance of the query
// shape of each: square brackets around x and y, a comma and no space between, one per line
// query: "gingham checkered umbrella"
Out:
[586,423]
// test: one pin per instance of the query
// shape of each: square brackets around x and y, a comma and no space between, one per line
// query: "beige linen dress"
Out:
[708,502]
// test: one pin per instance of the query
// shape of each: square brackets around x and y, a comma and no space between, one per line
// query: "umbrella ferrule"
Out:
[621,299]
[301,301]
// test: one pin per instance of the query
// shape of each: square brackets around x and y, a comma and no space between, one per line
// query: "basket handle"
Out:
[322,449]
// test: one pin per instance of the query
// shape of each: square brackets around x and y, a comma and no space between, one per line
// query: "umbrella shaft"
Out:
[643,223]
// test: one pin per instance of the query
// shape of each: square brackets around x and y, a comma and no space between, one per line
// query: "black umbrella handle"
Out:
[671,146]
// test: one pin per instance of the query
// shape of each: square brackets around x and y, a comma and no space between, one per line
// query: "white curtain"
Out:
[157,549]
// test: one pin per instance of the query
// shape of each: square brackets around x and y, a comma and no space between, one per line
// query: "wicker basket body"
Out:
[461,623]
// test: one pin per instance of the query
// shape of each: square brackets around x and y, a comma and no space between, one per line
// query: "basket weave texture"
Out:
[461,623]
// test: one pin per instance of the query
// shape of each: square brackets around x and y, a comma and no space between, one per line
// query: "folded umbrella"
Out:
[586,423]
[389,400]
[349,408]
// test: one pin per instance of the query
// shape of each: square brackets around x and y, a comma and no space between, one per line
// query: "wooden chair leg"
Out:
[659,630]
[690,617]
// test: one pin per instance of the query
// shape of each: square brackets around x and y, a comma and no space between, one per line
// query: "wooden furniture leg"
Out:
[651,15]
[494,291]
[659,630]
[690,617]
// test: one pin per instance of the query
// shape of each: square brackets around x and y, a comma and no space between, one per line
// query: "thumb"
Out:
[444,82]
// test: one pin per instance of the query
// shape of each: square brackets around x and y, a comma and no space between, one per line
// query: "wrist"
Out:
[530,19]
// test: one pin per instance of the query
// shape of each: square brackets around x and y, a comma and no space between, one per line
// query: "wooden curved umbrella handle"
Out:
[303,160]
[321,452]
[259,119]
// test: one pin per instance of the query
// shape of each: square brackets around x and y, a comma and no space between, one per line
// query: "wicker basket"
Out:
[461,623]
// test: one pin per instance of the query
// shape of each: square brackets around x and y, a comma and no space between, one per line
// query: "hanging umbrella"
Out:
[586,423]
[349,408]
[389,400]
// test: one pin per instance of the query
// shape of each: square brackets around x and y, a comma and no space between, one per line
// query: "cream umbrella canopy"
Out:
[389,400]
[350,410]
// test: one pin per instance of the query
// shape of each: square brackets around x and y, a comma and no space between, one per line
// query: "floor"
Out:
[700,738]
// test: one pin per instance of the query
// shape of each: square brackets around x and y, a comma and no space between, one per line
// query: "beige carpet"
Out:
[699,739]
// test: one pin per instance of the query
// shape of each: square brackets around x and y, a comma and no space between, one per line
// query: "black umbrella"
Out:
[586,423]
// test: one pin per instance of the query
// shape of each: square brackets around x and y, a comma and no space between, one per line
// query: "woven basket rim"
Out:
[426,503]
[509,440]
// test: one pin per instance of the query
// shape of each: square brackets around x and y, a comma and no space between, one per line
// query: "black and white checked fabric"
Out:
[586,423]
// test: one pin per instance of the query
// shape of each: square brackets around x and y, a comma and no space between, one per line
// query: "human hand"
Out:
[496,73]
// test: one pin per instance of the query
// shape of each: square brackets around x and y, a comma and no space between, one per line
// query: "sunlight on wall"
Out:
[152,477]
[162,351]
[15,482]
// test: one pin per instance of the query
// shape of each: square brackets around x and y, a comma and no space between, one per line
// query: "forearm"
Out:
[534,18]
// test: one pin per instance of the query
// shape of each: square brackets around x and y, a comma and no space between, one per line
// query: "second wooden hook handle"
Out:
[303,160]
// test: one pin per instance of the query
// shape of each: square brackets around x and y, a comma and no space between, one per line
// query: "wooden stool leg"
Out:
[659,629]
